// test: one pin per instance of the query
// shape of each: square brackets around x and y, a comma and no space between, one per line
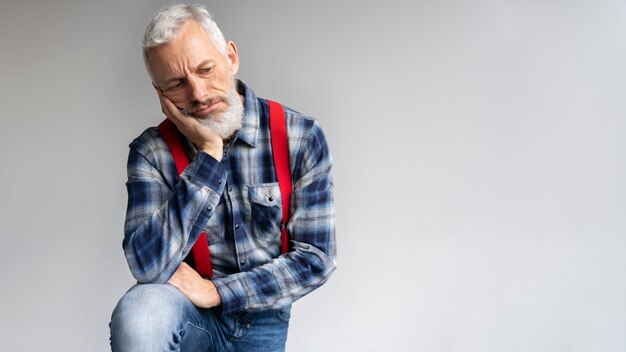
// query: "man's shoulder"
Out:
[149,139]
[307,142]
[299,125]
[297,116]
[149,148]
[150,144]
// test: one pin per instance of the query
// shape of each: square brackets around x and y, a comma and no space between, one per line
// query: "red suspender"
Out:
[200,249]
[280,151]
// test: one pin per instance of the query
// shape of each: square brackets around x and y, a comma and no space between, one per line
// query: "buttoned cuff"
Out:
[232,293]
[205,170]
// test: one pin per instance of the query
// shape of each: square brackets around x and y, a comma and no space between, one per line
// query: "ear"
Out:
[233,57]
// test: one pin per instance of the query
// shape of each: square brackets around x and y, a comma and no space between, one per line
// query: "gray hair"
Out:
[169,20]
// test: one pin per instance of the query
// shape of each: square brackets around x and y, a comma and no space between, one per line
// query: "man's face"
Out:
[193,74]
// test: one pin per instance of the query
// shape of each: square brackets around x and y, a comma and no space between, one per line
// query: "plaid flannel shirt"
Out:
[237,202]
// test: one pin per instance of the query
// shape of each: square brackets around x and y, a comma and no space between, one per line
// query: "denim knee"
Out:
[148,315]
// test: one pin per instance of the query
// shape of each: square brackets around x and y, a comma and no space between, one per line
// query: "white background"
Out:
[479,152]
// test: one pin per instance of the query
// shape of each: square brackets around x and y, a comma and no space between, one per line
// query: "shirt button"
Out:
[236,226]
[230,189]
[210,208]
[219,182]
[242,261]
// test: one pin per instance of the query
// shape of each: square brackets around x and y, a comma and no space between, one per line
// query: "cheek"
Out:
[179,100]
[221,80]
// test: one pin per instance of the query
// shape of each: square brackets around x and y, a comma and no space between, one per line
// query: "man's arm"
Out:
[312,237]
[163,222]
[275,284]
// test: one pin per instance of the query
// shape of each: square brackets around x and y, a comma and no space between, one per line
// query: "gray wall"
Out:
[480,166]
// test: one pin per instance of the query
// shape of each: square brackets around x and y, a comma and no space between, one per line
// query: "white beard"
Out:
[228,122]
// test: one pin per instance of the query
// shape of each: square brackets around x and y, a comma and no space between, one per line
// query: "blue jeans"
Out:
[160,318]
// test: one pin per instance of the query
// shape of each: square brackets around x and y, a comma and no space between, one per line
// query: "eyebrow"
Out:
[205,63]
[173,79]
[166,82]
[179,78]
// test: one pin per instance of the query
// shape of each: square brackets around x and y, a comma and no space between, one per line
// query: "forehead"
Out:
[190,46]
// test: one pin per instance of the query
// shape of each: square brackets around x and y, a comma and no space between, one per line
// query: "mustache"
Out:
[196,105]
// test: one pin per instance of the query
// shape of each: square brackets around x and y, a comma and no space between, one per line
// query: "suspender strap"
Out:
[200,249]
[280,150]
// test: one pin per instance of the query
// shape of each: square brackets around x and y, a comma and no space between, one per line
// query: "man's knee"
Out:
[147,312]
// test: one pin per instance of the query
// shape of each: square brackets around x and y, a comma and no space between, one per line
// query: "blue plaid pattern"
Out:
[238,203]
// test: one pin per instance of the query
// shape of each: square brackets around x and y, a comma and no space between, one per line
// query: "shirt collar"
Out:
[251,112]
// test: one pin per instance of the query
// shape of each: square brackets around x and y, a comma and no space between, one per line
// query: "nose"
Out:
[197,90]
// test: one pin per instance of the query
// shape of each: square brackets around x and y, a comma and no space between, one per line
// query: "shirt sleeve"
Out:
[311,229]
[164,220]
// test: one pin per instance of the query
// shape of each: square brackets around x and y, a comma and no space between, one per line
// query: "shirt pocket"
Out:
[265,210]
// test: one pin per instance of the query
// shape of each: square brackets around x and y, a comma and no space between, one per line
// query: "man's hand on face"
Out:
[201,136]
[201,292]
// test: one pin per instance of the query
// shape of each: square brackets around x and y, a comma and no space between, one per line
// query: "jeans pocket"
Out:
[265,210]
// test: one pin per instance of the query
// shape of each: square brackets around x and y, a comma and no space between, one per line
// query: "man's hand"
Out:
[201,136]
[202,293]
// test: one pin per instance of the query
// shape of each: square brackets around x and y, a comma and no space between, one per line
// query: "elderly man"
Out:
[230,191]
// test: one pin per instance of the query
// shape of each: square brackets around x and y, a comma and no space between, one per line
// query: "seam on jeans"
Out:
[196,326]
[226,346]
[211,339]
